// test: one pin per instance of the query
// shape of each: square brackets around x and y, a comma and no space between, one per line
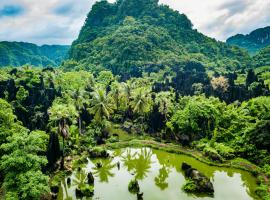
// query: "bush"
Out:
[189,186]
[225,151]
[98,152]
[212,154]
[266,169]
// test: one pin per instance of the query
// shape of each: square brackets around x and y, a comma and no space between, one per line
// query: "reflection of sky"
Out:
[228,183]
[59,21]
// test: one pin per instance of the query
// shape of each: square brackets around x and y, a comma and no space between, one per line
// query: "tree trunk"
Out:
[80,125]
[63,155]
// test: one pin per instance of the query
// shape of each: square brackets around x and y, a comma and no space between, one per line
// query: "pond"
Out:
[159,175]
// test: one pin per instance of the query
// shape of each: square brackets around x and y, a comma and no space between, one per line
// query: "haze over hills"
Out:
[21,53]
[130,37]
[253,41]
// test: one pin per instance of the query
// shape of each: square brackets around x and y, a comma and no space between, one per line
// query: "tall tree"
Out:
[102,105]
[60,114]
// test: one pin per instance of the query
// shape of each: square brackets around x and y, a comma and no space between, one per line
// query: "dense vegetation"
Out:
[136,67]
[252,42]
[21,53]
[131,37]
[84,109]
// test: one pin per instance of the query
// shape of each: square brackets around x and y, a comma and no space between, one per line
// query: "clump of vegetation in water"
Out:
[133,187]
[196,181]
[84,190]
[98,152]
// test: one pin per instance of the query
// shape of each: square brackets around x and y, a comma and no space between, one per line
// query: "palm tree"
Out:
[115,93]
[141,103]
[61,113]
[79,97]
[165,103]
[102,105]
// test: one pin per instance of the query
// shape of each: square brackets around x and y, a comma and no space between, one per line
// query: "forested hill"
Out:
[130,37]
[21,53]
[254,41]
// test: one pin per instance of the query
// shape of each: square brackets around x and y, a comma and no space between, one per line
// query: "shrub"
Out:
[225,151]
[189,186]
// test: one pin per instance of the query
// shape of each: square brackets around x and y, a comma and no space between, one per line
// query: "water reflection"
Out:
[105,171]
[138,163]
[160,177]
[79,178]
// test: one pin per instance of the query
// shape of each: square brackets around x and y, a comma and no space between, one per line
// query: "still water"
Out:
[159,175]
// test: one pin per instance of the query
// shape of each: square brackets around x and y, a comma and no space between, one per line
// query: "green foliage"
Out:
[252,42]
[131,37]
[60,111]
[22,94]
[196,116]
[189,186]
[262,58]
[20,53]
[102,105]
[224,150]
[22,165]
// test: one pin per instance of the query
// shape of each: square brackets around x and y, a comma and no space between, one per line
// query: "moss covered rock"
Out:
[196,181]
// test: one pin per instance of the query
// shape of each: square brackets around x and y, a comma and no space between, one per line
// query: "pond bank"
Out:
[237,163]
[173,148]
[158,173]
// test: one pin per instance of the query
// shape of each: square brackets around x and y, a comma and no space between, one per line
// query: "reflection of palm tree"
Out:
[117,153]
[105,171]
[128,160]
[80,178]
[139,162]
[143,164]
[160,180]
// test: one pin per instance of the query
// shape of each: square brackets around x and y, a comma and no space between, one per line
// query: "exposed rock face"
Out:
[203,183]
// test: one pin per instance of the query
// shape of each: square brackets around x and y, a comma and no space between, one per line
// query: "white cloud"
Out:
[223,18]
[59,21]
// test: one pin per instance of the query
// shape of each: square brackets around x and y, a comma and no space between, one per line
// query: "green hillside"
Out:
[21,53]
[252,42]
[130,37]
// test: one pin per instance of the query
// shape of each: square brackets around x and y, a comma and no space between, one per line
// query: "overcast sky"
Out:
[59,21]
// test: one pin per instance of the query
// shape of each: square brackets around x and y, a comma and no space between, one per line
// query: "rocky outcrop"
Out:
[202,184]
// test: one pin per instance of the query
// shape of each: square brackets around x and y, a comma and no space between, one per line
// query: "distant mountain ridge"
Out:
[253,42]
[21,53]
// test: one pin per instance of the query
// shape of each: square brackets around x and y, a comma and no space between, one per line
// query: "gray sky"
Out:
[59,21]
